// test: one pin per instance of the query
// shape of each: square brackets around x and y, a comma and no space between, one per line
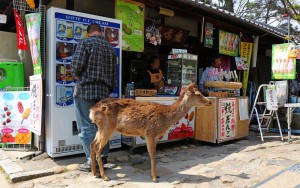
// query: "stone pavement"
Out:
[241,163]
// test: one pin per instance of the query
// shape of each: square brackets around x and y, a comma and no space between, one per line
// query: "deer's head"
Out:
[195,96]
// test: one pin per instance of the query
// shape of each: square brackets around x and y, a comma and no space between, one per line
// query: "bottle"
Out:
[127,90]
[131,90]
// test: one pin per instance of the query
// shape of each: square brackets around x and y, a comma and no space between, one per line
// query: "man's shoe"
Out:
[109,166]
[85,167]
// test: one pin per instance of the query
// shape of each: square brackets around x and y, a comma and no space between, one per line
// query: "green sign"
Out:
[33,23]
[283,67]
[228,43]
[132,15]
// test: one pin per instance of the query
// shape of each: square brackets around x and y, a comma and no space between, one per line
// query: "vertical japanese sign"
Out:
[21,40]
[228,43]
[283,67]
[36,97]
[14,113]
[227,126]
[33,22]
[271,99]
[132,15]
[246,52]
[208,36]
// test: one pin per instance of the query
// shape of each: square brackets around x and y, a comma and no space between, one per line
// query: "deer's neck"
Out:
[178,109]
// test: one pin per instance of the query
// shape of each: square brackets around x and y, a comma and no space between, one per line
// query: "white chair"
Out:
[269,107]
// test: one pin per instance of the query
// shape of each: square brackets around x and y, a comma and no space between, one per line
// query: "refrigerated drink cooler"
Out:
[11,74]
[64,30]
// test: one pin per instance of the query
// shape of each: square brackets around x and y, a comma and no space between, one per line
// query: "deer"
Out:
[136,118]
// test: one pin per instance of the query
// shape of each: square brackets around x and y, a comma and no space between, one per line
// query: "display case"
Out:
[181,69]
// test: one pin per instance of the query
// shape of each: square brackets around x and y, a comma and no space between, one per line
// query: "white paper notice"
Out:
[243,109]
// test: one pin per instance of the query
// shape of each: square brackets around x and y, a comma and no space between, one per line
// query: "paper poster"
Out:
[246,52]
[228,43]
[33,23]
[14,117]
[271,99]
[283,67]
[36,98]
[208,35]
[132,15]
[241,63]
[243,109]
[227,118]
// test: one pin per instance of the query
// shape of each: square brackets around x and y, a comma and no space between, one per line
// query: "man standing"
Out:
[94,67]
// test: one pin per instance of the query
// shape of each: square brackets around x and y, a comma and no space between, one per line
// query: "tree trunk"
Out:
[229,5]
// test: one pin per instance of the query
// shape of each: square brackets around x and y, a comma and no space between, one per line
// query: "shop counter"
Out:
[183,129]
[226,119]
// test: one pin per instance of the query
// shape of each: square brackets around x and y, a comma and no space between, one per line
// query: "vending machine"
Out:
[65,29]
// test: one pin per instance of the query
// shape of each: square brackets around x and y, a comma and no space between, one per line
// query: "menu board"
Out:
[70,29]
[283,67]
[14,117]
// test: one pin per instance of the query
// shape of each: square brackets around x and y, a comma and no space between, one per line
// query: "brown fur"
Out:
[135,118]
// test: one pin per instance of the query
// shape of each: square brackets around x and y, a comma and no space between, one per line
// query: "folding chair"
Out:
[269,112]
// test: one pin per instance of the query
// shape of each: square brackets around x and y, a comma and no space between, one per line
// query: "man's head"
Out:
[216,61]
[93,29]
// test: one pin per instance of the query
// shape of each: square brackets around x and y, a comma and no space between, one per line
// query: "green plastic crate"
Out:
[11,74]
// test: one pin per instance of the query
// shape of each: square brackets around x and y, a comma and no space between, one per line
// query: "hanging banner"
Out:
[228,43]
[246,52]
[227,110]
[283,67]
[15,123]
[36,96]
[21,40]
[132,15]
[33,22]
[208,36]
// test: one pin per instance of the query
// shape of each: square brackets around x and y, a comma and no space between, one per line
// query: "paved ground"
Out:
[242,163]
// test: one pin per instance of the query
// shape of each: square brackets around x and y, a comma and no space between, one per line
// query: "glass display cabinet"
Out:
[181,69]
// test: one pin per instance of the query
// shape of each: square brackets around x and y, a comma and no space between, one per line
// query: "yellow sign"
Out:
[246,51]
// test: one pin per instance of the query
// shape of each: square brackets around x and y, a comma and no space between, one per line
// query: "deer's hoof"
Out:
[155,180]
[106,178]
[96,174]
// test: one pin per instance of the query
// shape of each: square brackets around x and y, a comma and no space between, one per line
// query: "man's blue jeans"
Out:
[86,129]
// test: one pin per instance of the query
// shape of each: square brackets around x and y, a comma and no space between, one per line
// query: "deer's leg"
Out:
[94,148]
[104,135]
[151,146]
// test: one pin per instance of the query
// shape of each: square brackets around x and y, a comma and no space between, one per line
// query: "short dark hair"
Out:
[214,57]
[152,59]
[93,27]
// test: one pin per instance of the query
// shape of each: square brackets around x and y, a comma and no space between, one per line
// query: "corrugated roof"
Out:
[229,15]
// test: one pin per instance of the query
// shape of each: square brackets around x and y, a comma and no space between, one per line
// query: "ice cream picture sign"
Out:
[33,23]
[283,67]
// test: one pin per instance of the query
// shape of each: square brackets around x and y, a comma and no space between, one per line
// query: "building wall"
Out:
[9,50]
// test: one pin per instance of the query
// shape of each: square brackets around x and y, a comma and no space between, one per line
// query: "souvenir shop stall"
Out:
[227,118]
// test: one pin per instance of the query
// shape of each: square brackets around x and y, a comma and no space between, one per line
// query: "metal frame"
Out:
[267,114]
